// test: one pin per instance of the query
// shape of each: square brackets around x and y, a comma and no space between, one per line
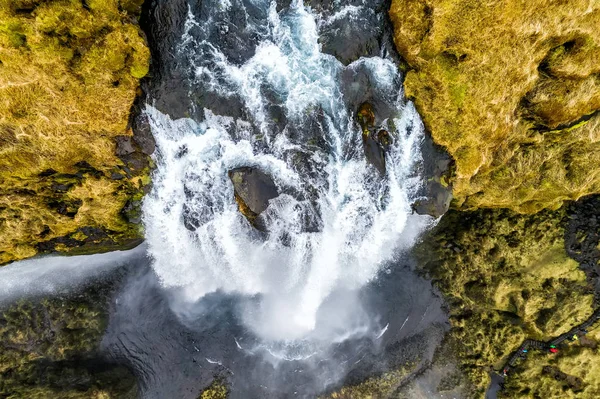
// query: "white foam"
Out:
[365,220]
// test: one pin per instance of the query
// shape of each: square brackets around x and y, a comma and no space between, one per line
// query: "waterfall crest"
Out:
[297,123]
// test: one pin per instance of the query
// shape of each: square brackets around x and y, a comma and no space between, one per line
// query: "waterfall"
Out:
[297,123]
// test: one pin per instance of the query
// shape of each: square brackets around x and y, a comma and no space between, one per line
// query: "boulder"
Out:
[373,147]
[436,194]
[253,189]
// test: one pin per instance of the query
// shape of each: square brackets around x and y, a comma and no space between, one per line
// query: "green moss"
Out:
[216,390]
[381,386]
[507,278]
[48,348]
[571,373]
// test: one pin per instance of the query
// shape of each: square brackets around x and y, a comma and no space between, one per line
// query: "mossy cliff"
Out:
[69,73]
[511,89]
[49,349]
[506,277]
[572,373]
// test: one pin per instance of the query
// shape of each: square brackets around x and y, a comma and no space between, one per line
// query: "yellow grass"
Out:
[68,78]
[500,83]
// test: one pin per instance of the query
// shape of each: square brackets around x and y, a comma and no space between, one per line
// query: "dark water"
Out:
[177,360]
[176,357]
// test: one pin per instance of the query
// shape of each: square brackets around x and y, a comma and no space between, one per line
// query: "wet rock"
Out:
[374,149]
[352,29]
[124,146]
[132,211]
[374,153]
[253,189]
[234,34]
[142,134]
[360,85]
[436,193]
[349,41]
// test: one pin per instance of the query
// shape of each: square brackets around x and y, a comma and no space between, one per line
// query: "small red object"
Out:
[553,350]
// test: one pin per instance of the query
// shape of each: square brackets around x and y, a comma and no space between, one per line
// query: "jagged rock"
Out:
[253,189]
[374,150]
[436,193]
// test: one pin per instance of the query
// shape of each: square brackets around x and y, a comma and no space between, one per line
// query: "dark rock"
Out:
[132,211]
[253,190]
[85,168]
[116,176]
[124,146]
[436,194]
[93,233]
[232,30]
[582,238]
[45,231]
[61,187]
[349,41]
[25,191]
[66,207]
[374,153]
[373,148]
[47,172]
[142,134]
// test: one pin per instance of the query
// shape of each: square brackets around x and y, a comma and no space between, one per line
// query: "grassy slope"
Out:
[510,88]
[506,277]
[69,73]
[572,373]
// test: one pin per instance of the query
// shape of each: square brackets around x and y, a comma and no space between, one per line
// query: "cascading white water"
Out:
[364,219]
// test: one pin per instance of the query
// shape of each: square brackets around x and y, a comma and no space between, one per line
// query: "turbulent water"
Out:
[297,124]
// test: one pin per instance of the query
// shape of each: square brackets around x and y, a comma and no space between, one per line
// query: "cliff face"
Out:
[512,90]
[69,73]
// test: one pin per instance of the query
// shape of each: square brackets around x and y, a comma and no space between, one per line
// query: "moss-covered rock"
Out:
[69,73]
[507,277]
[511,89]
[573,372]
[216,390]
[49,348]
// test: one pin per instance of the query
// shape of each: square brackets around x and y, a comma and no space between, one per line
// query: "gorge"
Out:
[287,165]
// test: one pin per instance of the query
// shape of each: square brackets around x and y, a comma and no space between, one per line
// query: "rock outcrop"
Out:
[70,174]
[512,90]
[253,189]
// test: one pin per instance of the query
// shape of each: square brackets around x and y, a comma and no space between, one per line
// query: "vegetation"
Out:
[574,372]
[48,348]
[216,390]
[69,73]
[511,89]
[506,277]
[382,386]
